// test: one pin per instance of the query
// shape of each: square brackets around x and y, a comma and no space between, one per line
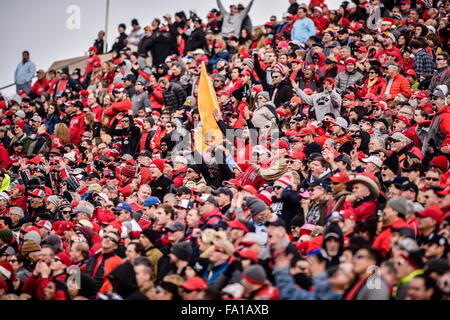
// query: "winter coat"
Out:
[154,255]
[322,102]
[175,96]
[100,265]
[345,80]
[263,114]
[289,291]
[195,40]
[400,85]
[382,242]
[377,88]
[128,137]
[42,143]
[274,172]
[162,47]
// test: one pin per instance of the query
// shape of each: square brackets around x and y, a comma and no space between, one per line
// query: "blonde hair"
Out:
[90,119]
[62,132]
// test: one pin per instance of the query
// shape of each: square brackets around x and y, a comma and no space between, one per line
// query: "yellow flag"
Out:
[207,101]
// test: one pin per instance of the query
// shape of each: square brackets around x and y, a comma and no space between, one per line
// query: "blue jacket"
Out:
[213,273]
[52,122]
[288,291]
[303,29]
[214,59]
[24,72]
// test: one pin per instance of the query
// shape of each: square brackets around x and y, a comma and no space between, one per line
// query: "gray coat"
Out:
[140,100]
[380,292]
[232,23]
[322,102]
[345,80]
[441,76]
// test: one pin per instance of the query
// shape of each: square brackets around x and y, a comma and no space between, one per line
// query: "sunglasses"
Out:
[291,161]
[125,120]
[439,59]
[13,260]
[277,188]
[372,72]
[234,116]
[110,238]
[431,179]
[67,211]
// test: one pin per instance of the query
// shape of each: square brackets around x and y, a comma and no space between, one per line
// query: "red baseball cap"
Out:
[404,119]
[281,144]
[236,224]
[429,212]
[249,254]
[282,44]
[411,72]
[422,94]
[296,155]
[22,91]
[232,182]
[362,49]
[44,224]
[250,189]
[306,132]
[195,283]
[340,177]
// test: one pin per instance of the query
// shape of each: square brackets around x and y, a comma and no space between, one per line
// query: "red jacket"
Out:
[178,176]
[378,88]
[97,110]
[35,286]
[363,211]
[90,63]
[116,107]
[400,85]
[40,86]
[19,202]
[76,128]
[444,124]
[382,242]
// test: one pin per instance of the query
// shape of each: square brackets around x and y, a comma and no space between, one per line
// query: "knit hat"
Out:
[151,235]
[4,196]
[392,163]
[265,94]
[255,205]
[283,182]
[255,274]
[54,242]
[237,94]
[182,251]
[159,163]
[30,246]
[7,270]
[249,62]
[33,235]
[399,204]
[128,171]
[350,60]
[440,162]
[6,235]
[53,199]
[265,196]
[86,232]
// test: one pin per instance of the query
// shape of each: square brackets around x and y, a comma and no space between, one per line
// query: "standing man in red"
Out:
[77,124]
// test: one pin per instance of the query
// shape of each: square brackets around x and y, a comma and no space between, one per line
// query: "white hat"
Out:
[4,196]
[375,160]
[198,51]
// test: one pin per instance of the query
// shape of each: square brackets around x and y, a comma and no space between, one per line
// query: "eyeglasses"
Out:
[431,179]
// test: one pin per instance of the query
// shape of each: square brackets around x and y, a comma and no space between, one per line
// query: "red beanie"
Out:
[159,163]
[441,162]
[350,60]
[21,124]
[129,171]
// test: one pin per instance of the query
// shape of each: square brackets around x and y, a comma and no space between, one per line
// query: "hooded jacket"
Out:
[334,230]
[345,80]
[263,114]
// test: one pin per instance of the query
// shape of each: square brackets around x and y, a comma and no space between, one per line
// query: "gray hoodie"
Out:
[232,23]
[322,102]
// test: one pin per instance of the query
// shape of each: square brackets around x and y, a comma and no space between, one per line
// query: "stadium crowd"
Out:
[331,180]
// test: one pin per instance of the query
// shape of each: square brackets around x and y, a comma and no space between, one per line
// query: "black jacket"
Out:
[42,139]
[128,137]
[119,42]
[195,40]
[160,187]
[175,96]
[161,47]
